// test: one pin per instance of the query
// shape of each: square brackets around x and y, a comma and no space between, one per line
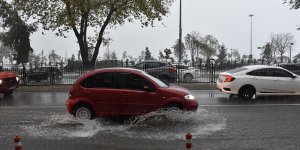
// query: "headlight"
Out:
[189,97]
[1,81]
[17,78]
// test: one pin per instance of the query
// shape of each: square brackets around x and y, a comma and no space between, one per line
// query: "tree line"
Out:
[83,16]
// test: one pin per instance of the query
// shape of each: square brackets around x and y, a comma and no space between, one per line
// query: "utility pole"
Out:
[42,58]
[180,32]
[250,56]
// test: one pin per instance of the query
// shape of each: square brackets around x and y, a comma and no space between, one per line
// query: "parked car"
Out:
[44,73]
[124,92]
[9,81]
[159,69]
[251,81]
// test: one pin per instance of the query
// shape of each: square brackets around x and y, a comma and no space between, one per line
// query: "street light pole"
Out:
[250,56]
[290,60]
[180,32]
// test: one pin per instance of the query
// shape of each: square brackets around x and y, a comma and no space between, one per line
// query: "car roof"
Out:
[260,67]
[154,61]
[117,69]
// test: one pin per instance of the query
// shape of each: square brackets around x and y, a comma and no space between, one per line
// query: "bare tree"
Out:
[192,42]
[281,43]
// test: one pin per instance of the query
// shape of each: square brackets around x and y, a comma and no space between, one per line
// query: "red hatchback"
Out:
[124,92]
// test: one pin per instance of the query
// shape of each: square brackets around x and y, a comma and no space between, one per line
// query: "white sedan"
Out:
[251,81]
[189,74]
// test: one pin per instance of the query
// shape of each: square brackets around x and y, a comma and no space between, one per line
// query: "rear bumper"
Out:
[70,104]
[225,88]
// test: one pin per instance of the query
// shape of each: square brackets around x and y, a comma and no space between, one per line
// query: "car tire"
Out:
[188,77]
[247,92]
[84,112]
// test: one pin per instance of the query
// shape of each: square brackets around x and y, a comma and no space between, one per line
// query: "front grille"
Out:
[9,81]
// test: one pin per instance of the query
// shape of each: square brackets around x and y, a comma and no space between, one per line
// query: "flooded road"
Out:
[221,122]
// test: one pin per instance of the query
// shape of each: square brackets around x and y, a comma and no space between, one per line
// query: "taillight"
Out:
[228,78]
[172,69]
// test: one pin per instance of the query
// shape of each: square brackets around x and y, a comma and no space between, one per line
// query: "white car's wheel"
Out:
[188,77]
[247,92]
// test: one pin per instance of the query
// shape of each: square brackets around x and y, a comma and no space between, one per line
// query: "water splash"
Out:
[162,125]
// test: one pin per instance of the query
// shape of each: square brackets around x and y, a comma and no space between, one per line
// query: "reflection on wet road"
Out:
[221,122]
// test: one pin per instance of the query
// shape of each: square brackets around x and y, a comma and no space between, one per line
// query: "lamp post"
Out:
[250,56]
[180,32]
[290,60]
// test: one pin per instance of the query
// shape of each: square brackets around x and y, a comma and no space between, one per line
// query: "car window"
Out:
[162,64]
[259,72]
[140,65]
[94,81]
[102,80]
[134,82]
[153,65]
[279,73]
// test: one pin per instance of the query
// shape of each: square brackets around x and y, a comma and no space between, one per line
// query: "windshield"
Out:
[157,81]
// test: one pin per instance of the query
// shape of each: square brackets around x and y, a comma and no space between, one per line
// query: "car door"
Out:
[139,100]
[284,81]
[261,81]
[101,90]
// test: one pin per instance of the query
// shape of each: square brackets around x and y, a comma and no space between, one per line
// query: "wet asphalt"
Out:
[222,122]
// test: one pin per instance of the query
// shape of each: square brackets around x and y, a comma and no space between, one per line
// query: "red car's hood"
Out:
[7,75]
[176,90]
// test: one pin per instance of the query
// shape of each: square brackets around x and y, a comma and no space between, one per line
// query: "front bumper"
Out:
[191,105]
[7,88]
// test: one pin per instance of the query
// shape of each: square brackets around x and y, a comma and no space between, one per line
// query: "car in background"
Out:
[124,92]
[259,80]
[9,81]
[159,69]
[187,73]
[44,73]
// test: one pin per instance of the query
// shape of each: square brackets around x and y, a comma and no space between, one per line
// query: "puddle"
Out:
[162,125]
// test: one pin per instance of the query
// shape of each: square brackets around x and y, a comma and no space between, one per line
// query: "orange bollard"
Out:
[188,144]
[18,145]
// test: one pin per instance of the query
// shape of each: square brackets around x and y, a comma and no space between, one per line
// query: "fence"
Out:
[206,73]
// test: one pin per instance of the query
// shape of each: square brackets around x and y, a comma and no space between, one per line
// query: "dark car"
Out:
[44,73]
[159,69]
[8,82]
[124,92]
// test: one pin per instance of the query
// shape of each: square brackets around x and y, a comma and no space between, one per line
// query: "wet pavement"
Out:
[221,122]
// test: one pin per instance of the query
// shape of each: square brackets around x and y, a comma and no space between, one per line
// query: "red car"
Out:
[8,82]
[124,92]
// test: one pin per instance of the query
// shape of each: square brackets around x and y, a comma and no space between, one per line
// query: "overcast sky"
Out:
[227,20]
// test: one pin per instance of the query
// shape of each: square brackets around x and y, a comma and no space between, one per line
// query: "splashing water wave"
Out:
[163,125]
